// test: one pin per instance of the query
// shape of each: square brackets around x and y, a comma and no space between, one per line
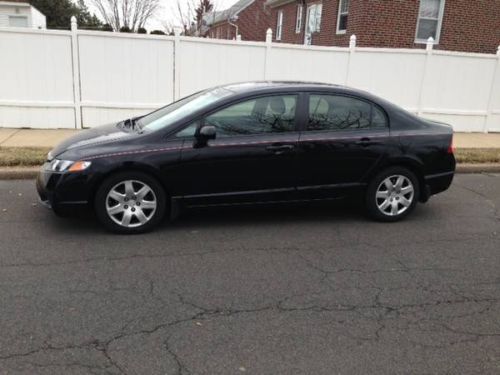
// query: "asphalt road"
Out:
[294,290]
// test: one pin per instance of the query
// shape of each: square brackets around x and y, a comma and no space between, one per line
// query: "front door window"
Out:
[263,115]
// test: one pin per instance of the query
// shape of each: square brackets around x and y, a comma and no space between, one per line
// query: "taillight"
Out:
[451,148]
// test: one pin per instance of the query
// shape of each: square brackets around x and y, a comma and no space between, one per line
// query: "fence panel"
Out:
[123,76]
[394,75]
[36,82]
[68,79]
[457,89]
[205,63]
[308,64]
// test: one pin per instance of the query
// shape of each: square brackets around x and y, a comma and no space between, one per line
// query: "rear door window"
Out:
[337,113]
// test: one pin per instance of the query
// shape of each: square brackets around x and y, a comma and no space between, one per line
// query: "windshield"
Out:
[166,116]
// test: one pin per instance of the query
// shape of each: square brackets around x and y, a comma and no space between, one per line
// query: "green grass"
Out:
[22,156]
[477,155]
[32,156]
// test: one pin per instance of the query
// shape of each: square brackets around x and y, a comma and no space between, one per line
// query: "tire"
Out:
[130,202]
[392,203]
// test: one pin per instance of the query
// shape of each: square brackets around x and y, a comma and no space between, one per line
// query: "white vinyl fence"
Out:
[77,78]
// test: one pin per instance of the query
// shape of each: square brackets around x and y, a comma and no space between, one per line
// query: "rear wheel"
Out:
[130,202]
[392,194]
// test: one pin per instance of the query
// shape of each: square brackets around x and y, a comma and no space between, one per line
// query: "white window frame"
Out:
[19,16]
[439,23]
[342,13]
[318,15]
[300,15]
[279,25]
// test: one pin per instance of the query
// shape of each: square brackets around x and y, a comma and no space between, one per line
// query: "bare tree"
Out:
[190,15]
[126,13]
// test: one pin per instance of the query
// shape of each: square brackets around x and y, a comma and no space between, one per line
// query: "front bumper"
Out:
[57,190]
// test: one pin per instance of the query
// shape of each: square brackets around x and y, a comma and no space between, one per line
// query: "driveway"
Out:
[293,290]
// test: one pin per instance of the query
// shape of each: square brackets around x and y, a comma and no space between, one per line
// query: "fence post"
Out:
[177,63]
[489,111]
[428,52]
[267,56]
[352,49]
[75,56]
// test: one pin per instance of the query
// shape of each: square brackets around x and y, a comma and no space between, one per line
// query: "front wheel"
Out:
[130,202]
[392,194]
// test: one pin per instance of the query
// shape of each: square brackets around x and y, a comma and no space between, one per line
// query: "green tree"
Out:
[59,13]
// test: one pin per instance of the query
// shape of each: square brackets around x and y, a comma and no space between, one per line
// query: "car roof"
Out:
[289,85]
[253,87]
[258,87]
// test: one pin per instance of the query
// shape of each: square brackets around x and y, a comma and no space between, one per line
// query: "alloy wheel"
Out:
[394,195]
[131,203]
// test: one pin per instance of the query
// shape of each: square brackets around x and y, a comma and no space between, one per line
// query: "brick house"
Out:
[459,25]
[249,18]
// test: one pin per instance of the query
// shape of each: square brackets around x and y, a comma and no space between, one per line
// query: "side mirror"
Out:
[205,134]
[208,132]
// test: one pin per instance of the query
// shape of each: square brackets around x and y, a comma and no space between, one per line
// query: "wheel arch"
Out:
[412,164]
[130,168]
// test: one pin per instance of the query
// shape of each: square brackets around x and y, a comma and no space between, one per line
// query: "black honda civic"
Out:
[249,143]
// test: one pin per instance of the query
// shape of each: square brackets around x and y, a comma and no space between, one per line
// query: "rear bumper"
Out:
[436,183]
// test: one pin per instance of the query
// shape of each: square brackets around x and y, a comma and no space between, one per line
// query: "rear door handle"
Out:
[366,142]
[279,149]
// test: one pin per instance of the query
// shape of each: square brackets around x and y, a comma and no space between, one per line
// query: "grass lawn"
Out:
[31,156]
[22,156]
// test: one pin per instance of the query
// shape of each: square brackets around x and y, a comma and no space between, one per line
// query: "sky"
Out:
[167,12]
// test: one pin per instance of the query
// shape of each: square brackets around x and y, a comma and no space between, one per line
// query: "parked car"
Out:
[257,142]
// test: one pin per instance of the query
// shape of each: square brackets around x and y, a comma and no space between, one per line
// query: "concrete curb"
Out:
[19,173]
[478,168]
[30,173]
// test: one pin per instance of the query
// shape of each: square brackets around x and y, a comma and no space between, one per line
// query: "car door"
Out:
[253,157]
[344,138]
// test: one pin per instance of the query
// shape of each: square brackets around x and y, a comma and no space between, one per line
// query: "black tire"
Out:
[109,183]
[372,202]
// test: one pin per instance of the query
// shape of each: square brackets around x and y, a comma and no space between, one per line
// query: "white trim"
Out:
[300,16]
[36,104]
[438,27]
[279,25]
[339,13]
[13,4]
[19,16]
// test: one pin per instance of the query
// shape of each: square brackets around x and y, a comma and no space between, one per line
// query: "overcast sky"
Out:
[167,13]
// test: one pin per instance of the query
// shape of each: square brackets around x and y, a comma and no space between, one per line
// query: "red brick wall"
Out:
[222,30]
[252,23]
[472,26]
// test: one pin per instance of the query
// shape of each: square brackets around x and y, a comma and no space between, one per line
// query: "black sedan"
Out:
[258,142]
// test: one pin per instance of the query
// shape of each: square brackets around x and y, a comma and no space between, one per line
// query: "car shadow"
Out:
[85,222]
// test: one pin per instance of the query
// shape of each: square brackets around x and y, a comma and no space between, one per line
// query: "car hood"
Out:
[98,135]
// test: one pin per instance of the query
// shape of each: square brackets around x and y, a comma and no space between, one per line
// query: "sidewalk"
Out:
[50,138]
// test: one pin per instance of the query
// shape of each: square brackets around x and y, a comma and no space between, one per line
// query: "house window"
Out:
[18,21]
[279,26]
[298,22]
[342,16]
[430,16]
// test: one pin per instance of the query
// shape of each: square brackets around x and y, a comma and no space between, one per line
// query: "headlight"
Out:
[57,165]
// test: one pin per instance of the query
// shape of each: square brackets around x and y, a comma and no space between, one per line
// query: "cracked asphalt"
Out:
[290,290]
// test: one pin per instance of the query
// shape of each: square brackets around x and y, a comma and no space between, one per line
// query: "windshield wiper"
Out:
[132,124]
